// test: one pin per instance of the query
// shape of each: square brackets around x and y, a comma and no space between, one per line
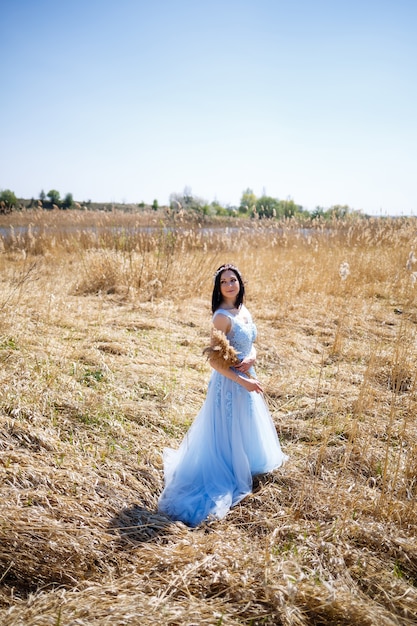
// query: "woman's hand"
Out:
[251,384]
[245,365]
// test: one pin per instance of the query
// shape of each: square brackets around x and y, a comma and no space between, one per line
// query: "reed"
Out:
[103,323]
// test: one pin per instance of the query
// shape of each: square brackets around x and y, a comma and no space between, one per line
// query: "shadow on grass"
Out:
[138,524]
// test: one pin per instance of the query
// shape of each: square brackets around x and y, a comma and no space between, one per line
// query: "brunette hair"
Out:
[217,296]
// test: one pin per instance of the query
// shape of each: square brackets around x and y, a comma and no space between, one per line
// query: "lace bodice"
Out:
[243,330]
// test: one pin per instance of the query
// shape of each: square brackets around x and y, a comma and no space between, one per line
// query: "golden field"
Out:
[103,320]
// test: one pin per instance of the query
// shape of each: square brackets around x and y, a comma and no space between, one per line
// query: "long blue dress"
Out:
[232,439]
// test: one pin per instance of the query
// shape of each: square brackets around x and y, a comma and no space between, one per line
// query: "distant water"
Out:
[6,233]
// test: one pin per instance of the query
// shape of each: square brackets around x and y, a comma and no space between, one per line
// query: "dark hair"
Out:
[217,296]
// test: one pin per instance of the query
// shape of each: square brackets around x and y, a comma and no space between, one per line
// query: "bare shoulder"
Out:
[222,322]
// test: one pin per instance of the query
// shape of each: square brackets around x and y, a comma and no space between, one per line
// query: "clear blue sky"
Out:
[132,100]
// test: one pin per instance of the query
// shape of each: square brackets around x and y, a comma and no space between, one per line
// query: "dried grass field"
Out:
[103,320]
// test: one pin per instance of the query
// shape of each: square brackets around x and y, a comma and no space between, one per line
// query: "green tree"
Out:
[318,212]
[54,196]
[339,211]
[68,201]
[8,199]
[268,207]
[188,202]
[247,201]
[155,205]
[218,209]
[288,208]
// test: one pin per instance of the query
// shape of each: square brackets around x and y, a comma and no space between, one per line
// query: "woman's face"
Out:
[229,285]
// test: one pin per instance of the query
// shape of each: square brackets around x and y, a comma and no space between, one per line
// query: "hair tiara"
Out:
[223,268]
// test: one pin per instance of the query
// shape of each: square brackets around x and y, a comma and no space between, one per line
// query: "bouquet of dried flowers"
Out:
[220,351]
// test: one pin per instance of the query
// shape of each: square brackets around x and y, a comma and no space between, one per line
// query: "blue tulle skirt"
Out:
[232,439]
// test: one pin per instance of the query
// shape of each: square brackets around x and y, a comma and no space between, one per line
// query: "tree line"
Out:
[9,201]
[257,207]
[263,207]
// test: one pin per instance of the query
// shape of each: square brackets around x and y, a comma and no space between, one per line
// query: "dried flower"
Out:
[344,270]
[220,351]
[410,261]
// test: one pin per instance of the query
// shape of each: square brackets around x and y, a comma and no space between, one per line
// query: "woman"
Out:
[233,437]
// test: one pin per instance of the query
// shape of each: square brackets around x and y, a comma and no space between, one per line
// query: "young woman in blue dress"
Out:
[233,437]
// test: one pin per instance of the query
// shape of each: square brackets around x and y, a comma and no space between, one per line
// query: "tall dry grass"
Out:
[103,319]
